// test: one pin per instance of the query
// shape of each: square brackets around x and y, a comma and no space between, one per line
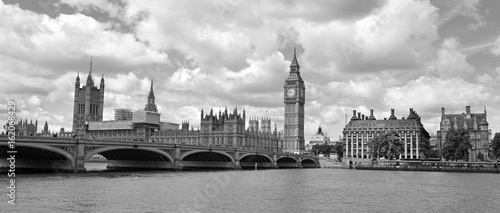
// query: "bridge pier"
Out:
[236,157]
[299,162]
[176,165]
[79,157]
[275,163]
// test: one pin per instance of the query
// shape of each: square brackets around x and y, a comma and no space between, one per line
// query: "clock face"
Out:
[290,93]
[301,93]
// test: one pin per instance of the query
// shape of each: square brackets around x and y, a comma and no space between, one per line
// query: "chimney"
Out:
[442,113]
[467,110]
[354,115]
[392,117]
[363,117]
[359,115]
[371,115]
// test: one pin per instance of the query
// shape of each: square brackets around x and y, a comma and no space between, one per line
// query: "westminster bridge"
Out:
[70,154]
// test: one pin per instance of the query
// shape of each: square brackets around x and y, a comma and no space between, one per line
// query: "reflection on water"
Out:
[292,190]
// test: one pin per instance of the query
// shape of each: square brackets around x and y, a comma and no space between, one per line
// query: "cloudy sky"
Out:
[359,55]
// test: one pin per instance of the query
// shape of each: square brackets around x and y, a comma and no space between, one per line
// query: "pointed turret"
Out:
[90,81]
[102,81]
[46,127]
[294,64]
[77,82]
[151,105]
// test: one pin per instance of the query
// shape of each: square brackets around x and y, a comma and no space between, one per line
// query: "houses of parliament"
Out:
[223,128]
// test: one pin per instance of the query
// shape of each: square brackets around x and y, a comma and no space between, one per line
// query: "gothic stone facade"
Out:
[226,129]
[294,99]
[88,102]
[361,129]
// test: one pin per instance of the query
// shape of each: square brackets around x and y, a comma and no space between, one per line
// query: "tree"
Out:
[322,149]
[456,145]
[495,145]
[339,149]
[387,145]
[480,156]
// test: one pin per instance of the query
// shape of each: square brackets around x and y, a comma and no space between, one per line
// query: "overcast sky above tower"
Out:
[357,54]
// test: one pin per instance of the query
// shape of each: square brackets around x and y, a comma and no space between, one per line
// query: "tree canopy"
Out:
[456,145]
[339,149]
[322,149]
[495,145]
[387,145]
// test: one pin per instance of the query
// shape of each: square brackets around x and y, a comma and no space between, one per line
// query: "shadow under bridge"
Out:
[120,158]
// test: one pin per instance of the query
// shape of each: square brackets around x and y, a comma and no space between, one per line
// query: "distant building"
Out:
[123,114]
[225,129]
[143,123]
[434,143]
[24,128]
[228,129]
[173,126]
[31,129]
[319,138]
[474,123]
[88,102]
[361,129]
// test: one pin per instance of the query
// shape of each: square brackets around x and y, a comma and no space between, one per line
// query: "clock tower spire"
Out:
[294,99]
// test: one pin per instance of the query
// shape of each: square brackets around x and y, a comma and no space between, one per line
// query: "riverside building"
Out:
[474,123]
[361,129]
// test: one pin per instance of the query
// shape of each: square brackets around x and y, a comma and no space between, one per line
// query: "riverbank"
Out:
[432,166]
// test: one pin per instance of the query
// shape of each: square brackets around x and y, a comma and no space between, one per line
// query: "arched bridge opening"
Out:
[133,158]
[308,163]
[206,159]
[36,159]
[287,162]
[250,161]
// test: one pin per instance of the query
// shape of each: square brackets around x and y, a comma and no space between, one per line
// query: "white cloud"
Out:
[496,47]
[452,62]
[353,55]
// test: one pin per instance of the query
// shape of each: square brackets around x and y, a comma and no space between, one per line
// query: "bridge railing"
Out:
[37,139]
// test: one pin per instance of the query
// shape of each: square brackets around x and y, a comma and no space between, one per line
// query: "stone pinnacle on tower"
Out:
[294,60]
[151,105]
[90,81]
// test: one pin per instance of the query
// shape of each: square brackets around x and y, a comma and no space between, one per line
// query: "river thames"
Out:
[285,190]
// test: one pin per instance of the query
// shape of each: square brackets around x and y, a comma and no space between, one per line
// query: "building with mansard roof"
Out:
[361,129]
[475,124]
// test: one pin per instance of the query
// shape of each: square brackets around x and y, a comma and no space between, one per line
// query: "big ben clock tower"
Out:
[294,98]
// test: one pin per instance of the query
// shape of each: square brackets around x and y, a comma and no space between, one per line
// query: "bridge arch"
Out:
[252,154]
[287,162]
[308,163]
[69,157]
[202,151]
[106,149]
[286,158]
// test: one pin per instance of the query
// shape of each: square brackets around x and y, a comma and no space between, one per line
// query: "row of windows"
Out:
[371,129]
[94,109]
